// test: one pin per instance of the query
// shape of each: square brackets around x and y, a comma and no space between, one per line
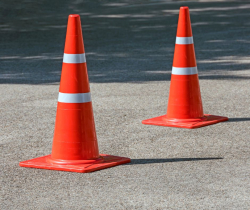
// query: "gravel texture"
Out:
[129,49]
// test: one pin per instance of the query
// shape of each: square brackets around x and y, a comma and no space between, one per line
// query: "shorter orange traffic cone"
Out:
[184,105]
[75,145]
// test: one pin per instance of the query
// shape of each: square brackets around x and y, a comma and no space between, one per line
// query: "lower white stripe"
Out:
[184,71]
[74,58]
[74,97]
[184,40]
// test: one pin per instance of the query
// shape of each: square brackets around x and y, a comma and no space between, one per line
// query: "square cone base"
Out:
[162,121]
[107,162]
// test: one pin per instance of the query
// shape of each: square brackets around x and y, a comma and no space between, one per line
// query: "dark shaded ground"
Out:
[125,41]
[149,161]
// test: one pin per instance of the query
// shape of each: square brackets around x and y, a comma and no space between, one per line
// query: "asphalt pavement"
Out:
[129,51]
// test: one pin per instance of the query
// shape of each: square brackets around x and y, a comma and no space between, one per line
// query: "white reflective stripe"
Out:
[184,71]
[184,40]
[74,58]
[74,97]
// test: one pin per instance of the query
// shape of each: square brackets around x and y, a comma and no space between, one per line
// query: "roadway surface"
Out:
[129,49]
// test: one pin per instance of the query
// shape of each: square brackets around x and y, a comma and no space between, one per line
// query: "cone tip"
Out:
[74,16]
[184,8]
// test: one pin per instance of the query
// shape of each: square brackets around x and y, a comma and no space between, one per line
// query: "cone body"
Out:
[75,146]
[185,104]
[184,97]
[75,135]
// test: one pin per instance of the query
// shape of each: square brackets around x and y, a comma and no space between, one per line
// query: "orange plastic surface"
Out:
[185,104]
[190,123]
[75,135]
[75,146]
[105,161]
[184,97]
[74,78]
[184,56]
[184,23]
[74,41]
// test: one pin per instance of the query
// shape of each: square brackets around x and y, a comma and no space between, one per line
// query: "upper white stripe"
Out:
[74,58]
[184,40]
[74,97]
[184,71]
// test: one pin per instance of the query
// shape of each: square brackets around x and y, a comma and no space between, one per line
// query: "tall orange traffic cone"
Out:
[184,105]
[75,145]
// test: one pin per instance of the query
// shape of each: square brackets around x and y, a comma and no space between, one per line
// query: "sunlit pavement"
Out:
[129,50]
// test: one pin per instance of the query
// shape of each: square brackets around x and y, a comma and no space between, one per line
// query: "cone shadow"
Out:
[238,119]
[170,160]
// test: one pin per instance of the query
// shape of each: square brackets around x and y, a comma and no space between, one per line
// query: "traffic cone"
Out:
[184,105]
[75,145]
